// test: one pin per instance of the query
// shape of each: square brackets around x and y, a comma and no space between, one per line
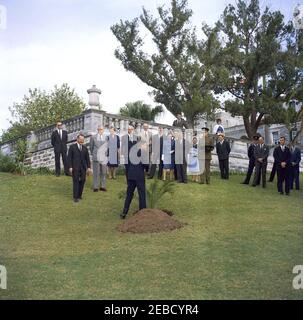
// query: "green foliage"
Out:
[257,59]
[40,109]
[180,80]
[156,190]
[140,110]
[7,163]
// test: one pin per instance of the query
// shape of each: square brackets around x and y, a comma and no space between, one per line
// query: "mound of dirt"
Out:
[149,221]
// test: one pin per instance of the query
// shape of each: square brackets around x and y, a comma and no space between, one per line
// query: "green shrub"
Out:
[7,163]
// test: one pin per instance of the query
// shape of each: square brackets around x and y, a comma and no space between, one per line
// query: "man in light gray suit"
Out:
[98,148]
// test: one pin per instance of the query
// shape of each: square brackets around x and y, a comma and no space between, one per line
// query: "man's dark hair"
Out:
[80,135]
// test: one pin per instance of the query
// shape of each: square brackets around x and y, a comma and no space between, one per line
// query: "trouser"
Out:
[131,186]
[273,172]
[79,178]
[260,173]
[250,171]
[99,173]
[57,162]
[295,177]
[283,177]
[205,176]
[181,172]
[153,168]
[112,172]
[224,168]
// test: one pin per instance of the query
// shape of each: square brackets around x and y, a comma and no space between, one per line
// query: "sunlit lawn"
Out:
[239,243]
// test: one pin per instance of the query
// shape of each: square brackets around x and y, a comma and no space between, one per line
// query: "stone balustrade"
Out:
[40,152]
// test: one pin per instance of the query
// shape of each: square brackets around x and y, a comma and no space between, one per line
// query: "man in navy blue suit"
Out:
[282,156]
[134,170]
[295,167]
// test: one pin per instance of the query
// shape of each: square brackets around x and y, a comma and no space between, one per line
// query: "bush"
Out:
[7,163]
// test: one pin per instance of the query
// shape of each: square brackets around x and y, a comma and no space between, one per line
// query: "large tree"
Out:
[39,109]
[257,59]
[141,110]
[180,80]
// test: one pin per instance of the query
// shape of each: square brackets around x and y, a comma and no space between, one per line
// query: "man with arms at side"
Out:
[223,151]
[261,155]
[295,167]
[282,156]
[79,166]
[59,142]
[251,157]
[99,150]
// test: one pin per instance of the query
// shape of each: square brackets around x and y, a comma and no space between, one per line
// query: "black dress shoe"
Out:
[95,190]
[76,200]
[244,182]
[122,216]
[103,189]
[282,193]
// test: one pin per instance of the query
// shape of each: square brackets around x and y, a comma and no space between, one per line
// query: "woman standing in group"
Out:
[113,152]
[168,156]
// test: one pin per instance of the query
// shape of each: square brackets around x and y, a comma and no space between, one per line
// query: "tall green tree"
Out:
[141,110]
[257,59]
[40,108]
[180,80]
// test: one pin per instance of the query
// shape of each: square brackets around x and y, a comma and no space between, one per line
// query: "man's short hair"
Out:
[80,135]
[282,137]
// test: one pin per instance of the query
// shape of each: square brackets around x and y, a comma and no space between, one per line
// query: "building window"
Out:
[275,137]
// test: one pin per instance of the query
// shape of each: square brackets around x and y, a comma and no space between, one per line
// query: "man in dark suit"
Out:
[180,122]
[59,142]
[127,142]
[180,157]
[282,156]
[223,151]
[135,175]
[79,166]
[251,157]
[261,155]
[157,151]
[295,167]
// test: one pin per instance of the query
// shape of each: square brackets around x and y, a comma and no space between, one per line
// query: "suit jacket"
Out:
[251,153]
[78,160]
[126,146]
[282,156]
[207,149]
[223,150]
[132,171]
[180,124]
[261,152]
[157,148]
[180,154]
[295,156]
[95,144]
[58,144]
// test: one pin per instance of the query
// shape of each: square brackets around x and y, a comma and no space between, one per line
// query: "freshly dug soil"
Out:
[149,221]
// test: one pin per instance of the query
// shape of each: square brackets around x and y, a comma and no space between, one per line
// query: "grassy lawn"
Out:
[239,243]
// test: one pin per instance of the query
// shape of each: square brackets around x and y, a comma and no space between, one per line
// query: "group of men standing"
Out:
[286,164]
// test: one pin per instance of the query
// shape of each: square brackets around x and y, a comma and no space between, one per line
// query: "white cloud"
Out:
[80,61]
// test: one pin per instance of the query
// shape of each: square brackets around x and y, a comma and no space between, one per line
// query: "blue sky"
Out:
[48,42]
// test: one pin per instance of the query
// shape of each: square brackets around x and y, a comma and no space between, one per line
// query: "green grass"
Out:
[239,243]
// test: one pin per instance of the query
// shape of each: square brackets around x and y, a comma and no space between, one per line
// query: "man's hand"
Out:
[283,164]
[260,159]
[71,170]
[89,171]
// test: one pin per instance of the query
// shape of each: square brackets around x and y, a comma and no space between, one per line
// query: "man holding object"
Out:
[79,166]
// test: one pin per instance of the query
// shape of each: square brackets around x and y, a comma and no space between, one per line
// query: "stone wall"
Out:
[40,152]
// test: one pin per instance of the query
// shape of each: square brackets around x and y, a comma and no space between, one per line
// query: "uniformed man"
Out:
[205,156]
